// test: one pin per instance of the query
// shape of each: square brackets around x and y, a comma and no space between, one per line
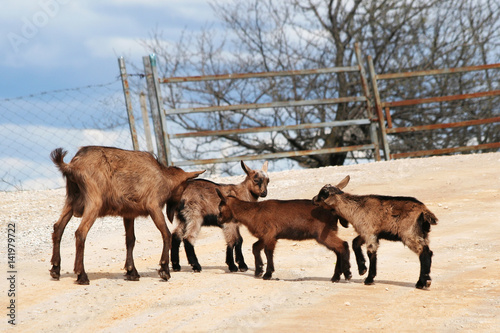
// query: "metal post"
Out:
[369,106]
[153,106]
[378,108]
[145,121]
[128,103]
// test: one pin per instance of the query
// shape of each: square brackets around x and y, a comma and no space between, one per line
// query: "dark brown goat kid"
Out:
[199,207]
[271,220]
[377,217]
[103,181]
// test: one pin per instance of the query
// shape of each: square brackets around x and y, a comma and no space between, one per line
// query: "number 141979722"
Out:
[11,246]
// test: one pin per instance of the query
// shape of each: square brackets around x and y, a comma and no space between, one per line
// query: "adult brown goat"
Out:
[377,217]
[271,220]
[199,207]
[103,181]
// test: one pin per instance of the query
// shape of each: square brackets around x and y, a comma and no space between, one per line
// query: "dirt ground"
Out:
[463,191]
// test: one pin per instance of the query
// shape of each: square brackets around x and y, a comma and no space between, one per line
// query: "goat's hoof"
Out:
[347,276]
[55,272]
[258,272]
[176,267]
[369,281]
[165,275]
[267,276]
[335,278]
[82,280]
[132,276]
[424,284]
[233,268]
[362,270]
[196,268]
[243,267]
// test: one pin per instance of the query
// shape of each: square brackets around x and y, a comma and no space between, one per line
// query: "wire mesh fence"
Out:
[32,126]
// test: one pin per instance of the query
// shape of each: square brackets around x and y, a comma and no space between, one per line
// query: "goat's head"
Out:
[328,195]
[225,214]
[256,180]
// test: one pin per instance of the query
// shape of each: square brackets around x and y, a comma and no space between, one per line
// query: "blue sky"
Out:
[57,44]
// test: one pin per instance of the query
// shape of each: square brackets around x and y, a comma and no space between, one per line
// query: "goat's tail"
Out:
[426,219]
[57,156]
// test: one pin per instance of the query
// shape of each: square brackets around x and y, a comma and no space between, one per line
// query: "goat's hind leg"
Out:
[88,219]
[425,257]
[341,249]
[59,226]
[372,272]
[256,248]
[174,255]
[360,258]
[234,242]
[159,220]
[269,251]
[191,256]
[132,274]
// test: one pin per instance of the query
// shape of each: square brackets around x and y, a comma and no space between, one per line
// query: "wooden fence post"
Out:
[128,103]
[155,102]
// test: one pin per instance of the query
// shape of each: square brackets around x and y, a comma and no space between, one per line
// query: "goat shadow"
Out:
[388,282]
[96,276]
[343,281]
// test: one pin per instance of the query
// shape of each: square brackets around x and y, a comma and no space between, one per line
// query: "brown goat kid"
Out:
[103,181]
[377,217]
[199,207]
[271,220]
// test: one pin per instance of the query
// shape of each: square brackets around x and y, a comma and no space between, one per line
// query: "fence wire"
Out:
[32,126]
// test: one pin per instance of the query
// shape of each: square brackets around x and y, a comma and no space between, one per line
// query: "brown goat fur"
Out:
[199,207]
[103,181]
[377,217]
[271,220]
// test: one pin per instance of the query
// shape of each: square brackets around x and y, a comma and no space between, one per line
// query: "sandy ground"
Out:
[463,191]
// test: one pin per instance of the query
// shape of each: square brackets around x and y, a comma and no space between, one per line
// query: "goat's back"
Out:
[386,213]
[290,219]
[200,197]
[121,182]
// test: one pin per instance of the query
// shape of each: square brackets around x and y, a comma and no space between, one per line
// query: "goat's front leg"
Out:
[132,274]
[269,251]
[256,248]
[360,258]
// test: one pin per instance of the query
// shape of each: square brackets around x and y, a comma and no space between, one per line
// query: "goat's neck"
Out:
[348,208]
[242,190]
[244,212]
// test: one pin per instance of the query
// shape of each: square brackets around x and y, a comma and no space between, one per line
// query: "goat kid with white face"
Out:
[377,217]
[199,207]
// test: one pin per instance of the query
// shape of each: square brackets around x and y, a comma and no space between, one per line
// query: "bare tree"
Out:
[268,35]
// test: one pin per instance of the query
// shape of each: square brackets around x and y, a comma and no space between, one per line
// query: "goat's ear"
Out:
[245,168]
[344,182]
[264,167]
[194,174]
[221,196]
